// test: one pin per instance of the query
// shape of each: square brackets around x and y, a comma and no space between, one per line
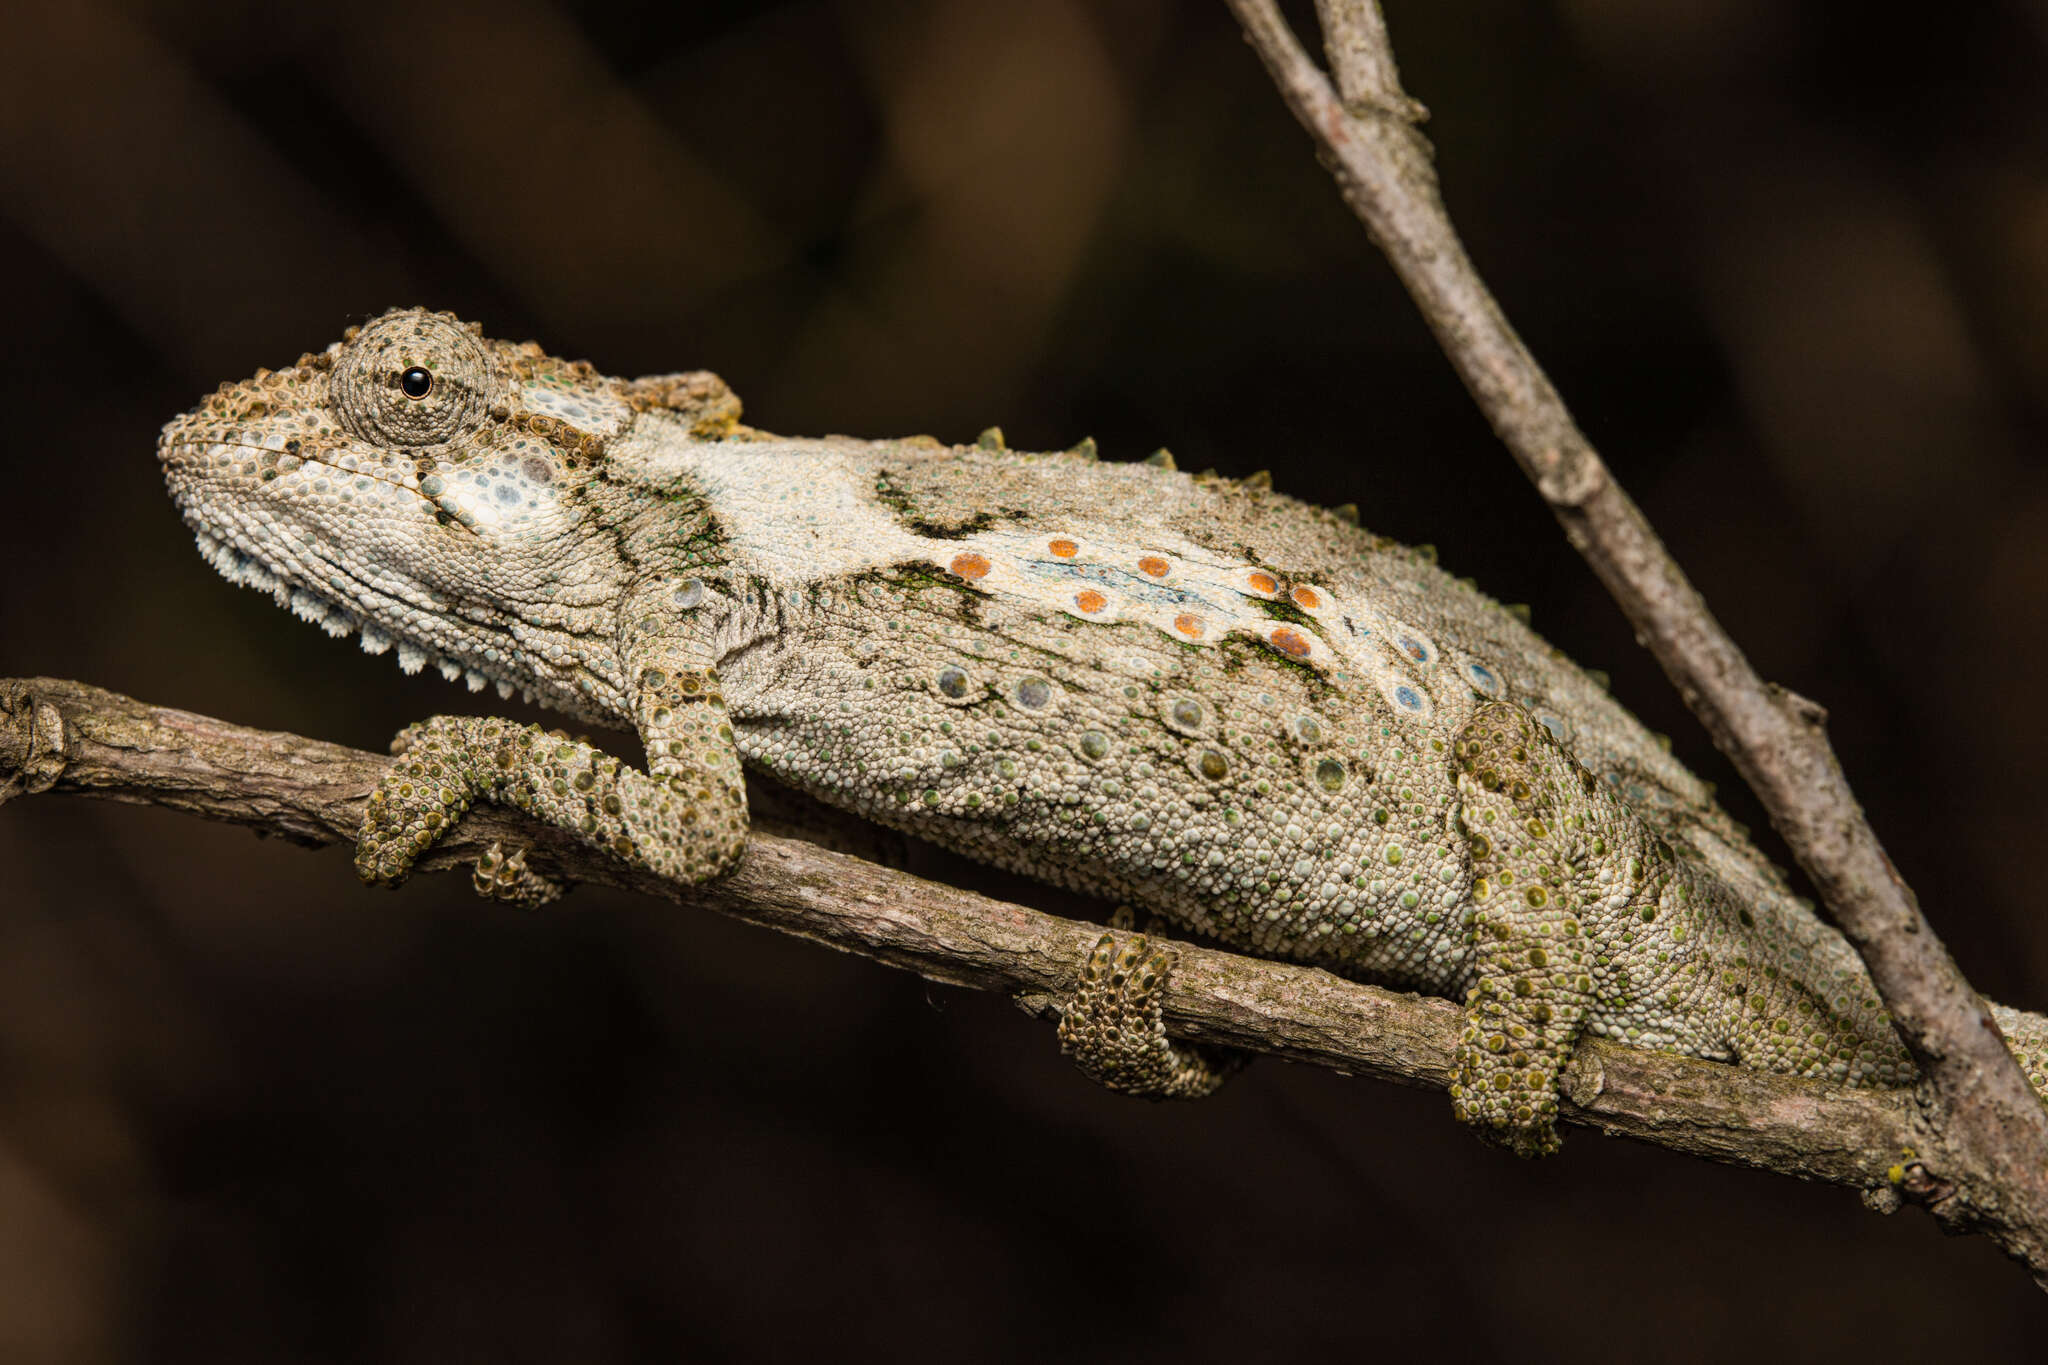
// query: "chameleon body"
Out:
[1239,713]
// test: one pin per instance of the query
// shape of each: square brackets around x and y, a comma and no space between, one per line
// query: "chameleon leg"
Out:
[1531,952]
[686,820]
[1113,1029]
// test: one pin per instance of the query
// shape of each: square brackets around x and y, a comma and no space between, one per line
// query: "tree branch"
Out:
[59,736]
[1994,1128]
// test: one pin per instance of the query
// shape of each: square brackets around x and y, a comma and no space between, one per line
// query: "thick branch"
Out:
[70,737]
[1996,1128]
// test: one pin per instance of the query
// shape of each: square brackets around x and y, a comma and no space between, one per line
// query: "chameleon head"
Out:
[422,485]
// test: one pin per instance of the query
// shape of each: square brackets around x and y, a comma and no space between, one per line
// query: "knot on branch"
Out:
[1805,710]
[34,742]
[1398,107]
[1569,478]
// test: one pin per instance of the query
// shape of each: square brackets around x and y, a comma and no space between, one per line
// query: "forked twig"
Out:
[1992,1130]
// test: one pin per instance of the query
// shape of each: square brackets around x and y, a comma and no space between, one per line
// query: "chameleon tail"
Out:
[2027,1036]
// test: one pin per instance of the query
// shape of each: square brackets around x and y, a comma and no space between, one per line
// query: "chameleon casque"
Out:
[1226,708]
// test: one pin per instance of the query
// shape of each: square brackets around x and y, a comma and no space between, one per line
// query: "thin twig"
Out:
[1361,58]
[59,736]
[1996,1130]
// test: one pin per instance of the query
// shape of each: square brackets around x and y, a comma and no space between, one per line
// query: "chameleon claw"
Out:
[506,877]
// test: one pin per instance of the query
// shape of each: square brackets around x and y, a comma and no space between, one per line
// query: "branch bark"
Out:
[60,736]
[1995,1130]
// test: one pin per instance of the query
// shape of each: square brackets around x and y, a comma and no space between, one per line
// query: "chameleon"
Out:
[1242,715]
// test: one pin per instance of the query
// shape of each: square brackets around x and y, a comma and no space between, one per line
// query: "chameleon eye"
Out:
[412,379]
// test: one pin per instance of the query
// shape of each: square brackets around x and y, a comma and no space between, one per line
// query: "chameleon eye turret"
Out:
[413,379]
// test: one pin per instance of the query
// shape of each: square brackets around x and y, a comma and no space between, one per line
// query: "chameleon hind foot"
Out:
[1543,880]
[1114,1030]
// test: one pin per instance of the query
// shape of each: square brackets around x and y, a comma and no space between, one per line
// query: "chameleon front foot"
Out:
[687,825]
[1114,1031]
[420,799]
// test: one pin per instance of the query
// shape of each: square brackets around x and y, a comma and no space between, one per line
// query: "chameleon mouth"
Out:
[332,615]
[186,454]
[193,467]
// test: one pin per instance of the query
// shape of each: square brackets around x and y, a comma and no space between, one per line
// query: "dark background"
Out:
[1788,261]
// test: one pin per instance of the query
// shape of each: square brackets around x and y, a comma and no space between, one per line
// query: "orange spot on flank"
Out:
[1065,549]
[1154,565]
[1188,624]
[1306,597]
[1290,642]
[970,565]
[1090,600]
[1264,582]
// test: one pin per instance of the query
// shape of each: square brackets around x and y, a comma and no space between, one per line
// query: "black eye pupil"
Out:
[415,382]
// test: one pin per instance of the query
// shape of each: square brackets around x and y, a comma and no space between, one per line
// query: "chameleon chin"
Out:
[1224,707]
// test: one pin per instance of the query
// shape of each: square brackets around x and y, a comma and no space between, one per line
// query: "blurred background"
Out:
[1787,260]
